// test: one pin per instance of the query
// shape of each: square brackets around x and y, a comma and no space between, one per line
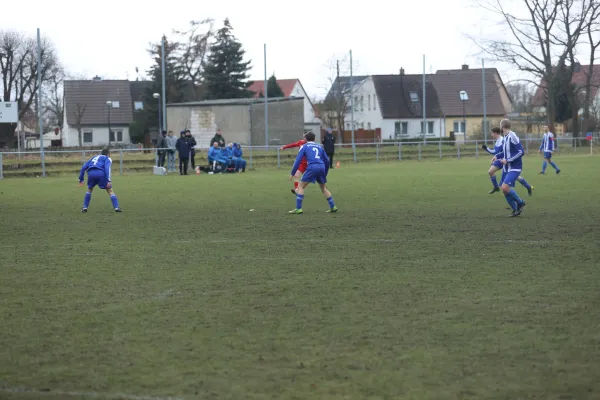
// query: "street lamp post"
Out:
[157,97]
[108,107]
[464,97]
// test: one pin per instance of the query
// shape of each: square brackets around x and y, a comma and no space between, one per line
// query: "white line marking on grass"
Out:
[116,396]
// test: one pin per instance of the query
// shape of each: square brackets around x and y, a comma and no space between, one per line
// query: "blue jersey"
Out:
[498,148]
[315,157]
[547,145]
[99,163]
[513,152]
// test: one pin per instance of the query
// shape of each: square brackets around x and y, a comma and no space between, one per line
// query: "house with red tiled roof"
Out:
[580,74]
[293,88]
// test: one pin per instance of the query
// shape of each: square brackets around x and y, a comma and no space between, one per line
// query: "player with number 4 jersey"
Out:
[99,174]
[316,172]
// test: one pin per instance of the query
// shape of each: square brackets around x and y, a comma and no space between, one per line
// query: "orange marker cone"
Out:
[337,164]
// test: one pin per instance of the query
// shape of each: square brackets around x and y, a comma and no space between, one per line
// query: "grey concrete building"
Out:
[240,120]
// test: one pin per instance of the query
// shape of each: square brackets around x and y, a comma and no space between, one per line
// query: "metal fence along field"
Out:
[62,162]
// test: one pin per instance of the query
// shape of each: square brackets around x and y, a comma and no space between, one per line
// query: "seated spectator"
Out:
[233,162]
[215,157]
[237,156]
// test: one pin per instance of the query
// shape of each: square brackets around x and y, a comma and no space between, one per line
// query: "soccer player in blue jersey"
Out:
[547,148]
[513,165]
[99,174]
[498,153]
[316,171]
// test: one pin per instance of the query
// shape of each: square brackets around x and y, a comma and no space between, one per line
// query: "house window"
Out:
[355,103]
[369,102]
[138,105]
[119,135]
[362,103]
[348,126]
[368,125]
[459,127]
[429,127]
[374,102]
[362,125]
[400,128]
[88,137]
[414,97]
[115,104]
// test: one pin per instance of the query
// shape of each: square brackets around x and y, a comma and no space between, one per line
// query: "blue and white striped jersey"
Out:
[547,145]
[498,148]
[513,152]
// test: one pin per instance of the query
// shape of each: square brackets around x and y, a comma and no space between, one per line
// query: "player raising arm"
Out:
[316,171]
[302,166]
[99,174]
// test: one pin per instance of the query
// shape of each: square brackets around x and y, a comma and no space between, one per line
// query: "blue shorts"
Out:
[97,177]
[547,155]
[498,164]
[315,174]
[510,178]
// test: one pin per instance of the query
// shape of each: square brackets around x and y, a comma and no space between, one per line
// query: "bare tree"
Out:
[192,50]
[591,85]
[540,39]
[18,71]
[54,108]
[78,114]
[521,94]
[333,110]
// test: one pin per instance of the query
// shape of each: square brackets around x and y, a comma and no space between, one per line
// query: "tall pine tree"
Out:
[226,72]
[273,88]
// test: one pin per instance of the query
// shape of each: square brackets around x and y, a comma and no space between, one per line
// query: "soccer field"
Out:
[419,288]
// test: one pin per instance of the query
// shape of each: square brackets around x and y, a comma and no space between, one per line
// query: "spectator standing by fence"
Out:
[171,143]
[162,152]
[218,138]
[192,142]
[328,142]
[183,147]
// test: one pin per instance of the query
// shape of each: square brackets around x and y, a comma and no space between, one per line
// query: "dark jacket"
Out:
[218,138]
[328,142]
[192,143]
[162,144]
[183,147]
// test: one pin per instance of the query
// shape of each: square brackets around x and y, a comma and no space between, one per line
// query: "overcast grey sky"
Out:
[110,38]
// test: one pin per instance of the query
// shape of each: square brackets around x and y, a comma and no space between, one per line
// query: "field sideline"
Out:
[419,288]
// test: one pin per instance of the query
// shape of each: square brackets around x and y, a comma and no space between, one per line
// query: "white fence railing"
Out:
[69,161]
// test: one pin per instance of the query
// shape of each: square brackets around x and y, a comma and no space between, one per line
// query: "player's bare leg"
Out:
[297,177]
[328,197]
[113,199]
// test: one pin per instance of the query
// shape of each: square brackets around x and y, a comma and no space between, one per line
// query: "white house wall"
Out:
[99,136]
[388,128]
[367,114]
[309,111]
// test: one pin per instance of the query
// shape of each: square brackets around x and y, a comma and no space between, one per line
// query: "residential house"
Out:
[293,88]
[93,106]
[468,116]
[394,104]
[579,79]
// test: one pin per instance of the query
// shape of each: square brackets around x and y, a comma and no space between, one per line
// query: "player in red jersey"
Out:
[303,164]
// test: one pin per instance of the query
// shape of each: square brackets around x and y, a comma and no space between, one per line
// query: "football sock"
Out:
[524,183]
[295,185]
[554,165]
[113,199]
[515,197]
[86,199]
[510,201]
[494,181]
[299,199]
[331,203]
[544,166]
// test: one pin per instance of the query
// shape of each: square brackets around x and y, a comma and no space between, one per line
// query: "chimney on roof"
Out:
[401,71]
[96,78]
[465,67]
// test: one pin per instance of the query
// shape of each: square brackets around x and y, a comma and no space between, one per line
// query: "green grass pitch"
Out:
[419,288]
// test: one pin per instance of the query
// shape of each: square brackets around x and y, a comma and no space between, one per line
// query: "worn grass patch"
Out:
[419,288]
